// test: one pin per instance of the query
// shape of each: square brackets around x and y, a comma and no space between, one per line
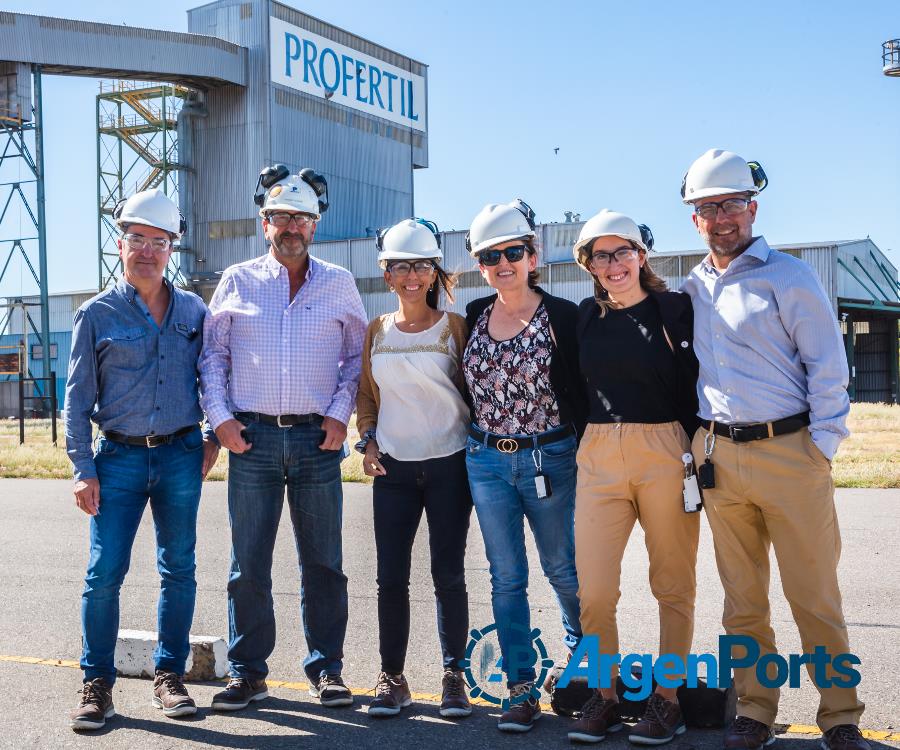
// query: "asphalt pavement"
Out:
[44,551]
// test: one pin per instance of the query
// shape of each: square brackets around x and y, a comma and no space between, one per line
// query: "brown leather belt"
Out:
[148,441]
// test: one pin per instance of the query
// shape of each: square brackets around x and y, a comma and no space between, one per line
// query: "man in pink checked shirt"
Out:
[279,372]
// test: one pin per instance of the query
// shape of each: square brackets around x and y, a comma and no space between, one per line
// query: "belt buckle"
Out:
[740,433]
[151,441]
[507,445]
[278,421]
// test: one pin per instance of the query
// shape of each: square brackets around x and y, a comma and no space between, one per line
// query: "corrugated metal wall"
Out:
[9,388]
[368,161]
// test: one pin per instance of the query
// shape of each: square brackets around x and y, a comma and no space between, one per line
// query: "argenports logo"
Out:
[484,666]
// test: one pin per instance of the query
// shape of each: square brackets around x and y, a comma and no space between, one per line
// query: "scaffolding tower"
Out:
[137,149]
[22,196]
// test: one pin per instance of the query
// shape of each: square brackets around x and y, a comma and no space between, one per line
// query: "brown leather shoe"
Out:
[391,695]
[170,695]
[748,734]
[96,705]
[523,710]
[660,723]
[844,737]
[598,716]
[454,701]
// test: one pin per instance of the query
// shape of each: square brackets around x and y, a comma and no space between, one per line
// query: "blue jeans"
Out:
[285,457]
[169,477]
[504,494]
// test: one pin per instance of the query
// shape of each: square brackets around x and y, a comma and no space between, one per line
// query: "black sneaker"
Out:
[391,694]
[96,705]
[454,701]
[238,694]
[331,691]
[523,711]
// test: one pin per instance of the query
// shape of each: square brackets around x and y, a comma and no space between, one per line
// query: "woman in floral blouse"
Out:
[528,409]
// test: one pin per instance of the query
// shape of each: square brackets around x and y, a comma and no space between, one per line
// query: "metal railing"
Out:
[890,57]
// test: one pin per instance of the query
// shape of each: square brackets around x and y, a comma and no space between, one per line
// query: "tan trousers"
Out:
[628,473]
[778,492]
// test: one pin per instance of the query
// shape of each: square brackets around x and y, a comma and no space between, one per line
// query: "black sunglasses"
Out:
[492,257]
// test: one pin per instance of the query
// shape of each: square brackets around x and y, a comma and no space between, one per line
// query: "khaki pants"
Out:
[629,472]
[778,492]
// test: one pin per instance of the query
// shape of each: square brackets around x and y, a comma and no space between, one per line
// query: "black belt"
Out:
[744,433]
[282,420]
[149,441]
[511,445]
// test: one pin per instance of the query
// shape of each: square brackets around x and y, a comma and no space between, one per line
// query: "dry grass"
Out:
[869,458]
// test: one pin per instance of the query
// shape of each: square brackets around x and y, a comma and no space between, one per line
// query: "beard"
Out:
[290,244]
[730,245]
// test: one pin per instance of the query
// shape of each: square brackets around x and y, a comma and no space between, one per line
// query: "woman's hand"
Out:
[371,465]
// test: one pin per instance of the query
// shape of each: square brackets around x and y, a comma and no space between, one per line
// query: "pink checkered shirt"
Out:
[265,353]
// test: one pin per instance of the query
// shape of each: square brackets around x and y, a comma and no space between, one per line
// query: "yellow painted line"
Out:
[870,734]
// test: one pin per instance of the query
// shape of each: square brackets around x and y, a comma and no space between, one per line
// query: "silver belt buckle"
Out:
[278,421]
[507,445]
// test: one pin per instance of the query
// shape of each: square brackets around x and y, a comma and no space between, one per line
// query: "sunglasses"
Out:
[492,257]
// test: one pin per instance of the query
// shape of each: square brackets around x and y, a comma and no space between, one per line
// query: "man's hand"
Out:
[229,434]
[371,465]
[335,434]
[87,495]
[210,454]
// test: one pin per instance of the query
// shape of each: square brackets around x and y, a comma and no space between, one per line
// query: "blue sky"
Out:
[629,93]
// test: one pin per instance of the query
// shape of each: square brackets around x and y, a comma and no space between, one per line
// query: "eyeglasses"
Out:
[402,267]
[621,254]
[730,207]
[492,257]
[139,242]
[282,219]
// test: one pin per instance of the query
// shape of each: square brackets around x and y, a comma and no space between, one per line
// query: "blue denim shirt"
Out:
[129,375]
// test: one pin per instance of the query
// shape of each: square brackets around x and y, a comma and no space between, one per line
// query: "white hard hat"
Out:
[612,224]
[292,193]
[500,222]
[410,239]
[152,208]
[720,172]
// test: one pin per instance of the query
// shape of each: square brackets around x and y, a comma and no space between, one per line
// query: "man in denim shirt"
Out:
[133,372]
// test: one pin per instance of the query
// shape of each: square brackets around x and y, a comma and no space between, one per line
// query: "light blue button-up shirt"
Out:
[769,345]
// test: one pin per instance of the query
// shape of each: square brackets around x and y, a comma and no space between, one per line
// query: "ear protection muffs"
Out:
[319,184]
[117,212]
[646,236]
[268,177]
[758,175]
[379,238]
[523,208]
[684,184]
[434,229]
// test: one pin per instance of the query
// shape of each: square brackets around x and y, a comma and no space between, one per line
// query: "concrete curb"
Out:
[208,659]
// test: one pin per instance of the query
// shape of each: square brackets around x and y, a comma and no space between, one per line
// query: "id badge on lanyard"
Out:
[541,481]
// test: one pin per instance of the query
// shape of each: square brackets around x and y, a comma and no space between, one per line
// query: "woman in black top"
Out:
[636,356]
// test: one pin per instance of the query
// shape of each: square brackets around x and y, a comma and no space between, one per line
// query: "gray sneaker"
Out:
[391,695]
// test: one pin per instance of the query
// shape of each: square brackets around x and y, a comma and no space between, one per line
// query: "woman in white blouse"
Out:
[412,418]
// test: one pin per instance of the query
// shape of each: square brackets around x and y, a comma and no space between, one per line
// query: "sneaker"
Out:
[748,734]
[454,701]
[844,737]
[238,693]
[598,716]
[391,694]
[660,723]
[523,710]
[170,695]
[331,691]
[96,705]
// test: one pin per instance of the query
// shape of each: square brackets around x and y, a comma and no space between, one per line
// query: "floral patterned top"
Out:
[509,381]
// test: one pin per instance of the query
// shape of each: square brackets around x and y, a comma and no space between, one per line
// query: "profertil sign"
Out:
[311,63]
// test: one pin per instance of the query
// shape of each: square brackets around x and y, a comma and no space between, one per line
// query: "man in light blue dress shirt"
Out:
[773,404]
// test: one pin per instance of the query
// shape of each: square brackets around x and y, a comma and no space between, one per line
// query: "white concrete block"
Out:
[208,659]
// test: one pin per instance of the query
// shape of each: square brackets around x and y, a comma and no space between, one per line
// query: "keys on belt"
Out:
[745,433]
[148,441]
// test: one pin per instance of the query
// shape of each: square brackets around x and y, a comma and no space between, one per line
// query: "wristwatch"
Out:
[364,440]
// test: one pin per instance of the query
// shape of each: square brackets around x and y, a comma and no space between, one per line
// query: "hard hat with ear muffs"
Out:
[612,224]
[278,190]
[152,208]
[500,222]
[720,172]
[410,239]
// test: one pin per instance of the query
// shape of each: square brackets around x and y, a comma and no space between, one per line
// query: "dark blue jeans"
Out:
[285,457]
[169,477]
[504,493]
[438,486]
